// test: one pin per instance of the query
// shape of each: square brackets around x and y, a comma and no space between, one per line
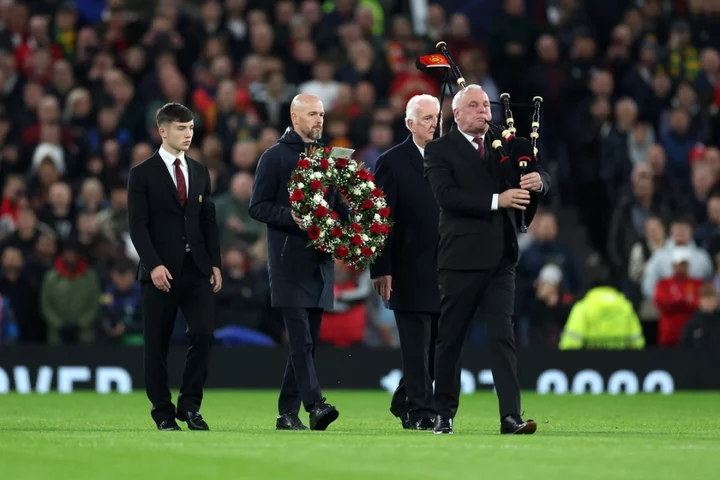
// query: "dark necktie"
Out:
[481,146]
[182,192]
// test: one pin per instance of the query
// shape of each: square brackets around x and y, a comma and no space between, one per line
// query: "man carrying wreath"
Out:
[301,277]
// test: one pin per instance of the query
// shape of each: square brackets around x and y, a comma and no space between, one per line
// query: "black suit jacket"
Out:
[411,248]
[472,235]
[160,226]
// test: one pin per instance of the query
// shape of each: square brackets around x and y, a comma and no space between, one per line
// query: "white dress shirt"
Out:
[169,160]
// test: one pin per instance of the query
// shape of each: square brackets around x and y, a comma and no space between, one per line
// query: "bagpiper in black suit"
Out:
[478,250]
[405,274]
[301,277]
[173,229]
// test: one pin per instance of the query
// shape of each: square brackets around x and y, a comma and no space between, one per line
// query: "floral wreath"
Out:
[357,244]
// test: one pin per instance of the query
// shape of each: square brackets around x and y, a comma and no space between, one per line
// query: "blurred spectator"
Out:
[70,299]
[661,265]
[345,325]
[550,308]
[603,319]
[703,329]
[121,312]
[8,327]
[243,309]
[231,211]
[676,298]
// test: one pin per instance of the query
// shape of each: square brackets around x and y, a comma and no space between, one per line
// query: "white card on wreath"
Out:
[339,152]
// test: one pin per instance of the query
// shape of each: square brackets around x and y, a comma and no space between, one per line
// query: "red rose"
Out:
[357,227]
[297,195]
[363,174]
[324,164]
[367,204]
[327,150]
[334,215]
[325,190]
[336,232]
[377,193]
[315,185]
[321,212]
[304,164]
[341,162]
[313,232]
[384,229]
[342,251]
[375,228]
[384,212]
[366,252]
[356,240]
[371,178]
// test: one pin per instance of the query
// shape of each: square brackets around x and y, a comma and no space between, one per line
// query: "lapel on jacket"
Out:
[167,180]
[467,152]
[414,156]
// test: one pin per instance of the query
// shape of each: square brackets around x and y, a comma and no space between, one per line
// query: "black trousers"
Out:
[300,383]
[192,293]
[462,292]
[414,394]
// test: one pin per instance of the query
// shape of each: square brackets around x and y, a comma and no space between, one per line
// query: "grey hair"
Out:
[459,95]
[412,106]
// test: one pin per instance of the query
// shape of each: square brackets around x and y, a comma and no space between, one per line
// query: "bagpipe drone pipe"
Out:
[519,155]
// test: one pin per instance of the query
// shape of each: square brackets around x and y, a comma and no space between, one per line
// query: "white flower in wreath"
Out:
[329,221]
[365,237]
[328,174]
[377,217]
[358,218]
[357,251]
[317,198]
[352,167]
[373,248]
[357,191]
[301,185]
[322,233]
[370,185]
[307,218]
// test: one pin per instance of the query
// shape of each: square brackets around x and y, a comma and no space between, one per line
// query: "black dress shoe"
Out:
[423,424]
[194,420]
[514,424]
[443,425]
[405,421]
[289,421]
[322,415]
[168,425]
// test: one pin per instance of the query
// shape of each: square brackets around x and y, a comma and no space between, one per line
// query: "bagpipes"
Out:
[521,150]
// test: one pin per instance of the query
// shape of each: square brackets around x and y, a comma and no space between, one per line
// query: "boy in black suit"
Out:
[173,229]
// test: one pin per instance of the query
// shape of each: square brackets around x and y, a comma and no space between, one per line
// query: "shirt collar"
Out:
[169,158]
[422,150]
[470,138]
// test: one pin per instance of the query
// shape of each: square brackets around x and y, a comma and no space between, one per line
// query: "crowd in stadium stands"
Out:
[630,133]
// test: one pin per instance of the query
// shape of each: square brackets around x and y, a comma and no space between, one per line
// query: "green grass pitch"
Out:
[92,436]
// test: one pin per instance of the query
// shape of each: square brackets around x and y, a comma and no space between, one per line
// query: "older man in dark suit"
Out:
[405,274]
[478,197]
[301,277]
